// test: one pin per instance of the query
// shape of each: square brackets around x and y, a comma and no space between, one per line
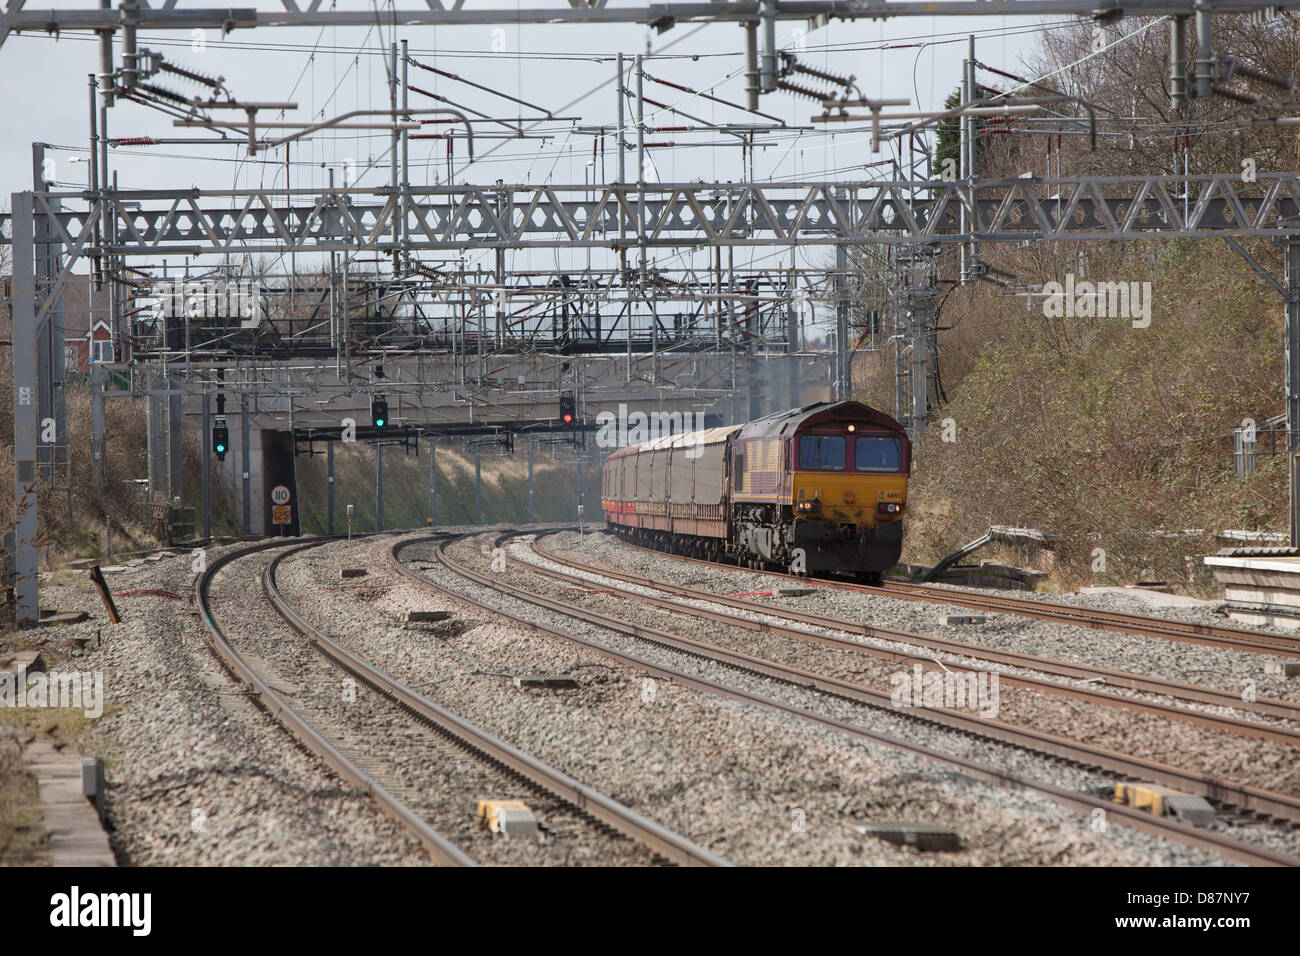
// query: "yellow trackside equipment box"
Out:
[510,818]
[1164,802]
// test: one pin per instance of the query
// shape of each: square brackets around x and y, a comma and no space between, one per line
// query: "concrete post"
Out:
[920,364]
[244,462]
[154,438]
[50,362]
[329,484]
[379,486]
[97,376]
[207,464]
[27,612]
[175,439]
[433,481]
[478,487]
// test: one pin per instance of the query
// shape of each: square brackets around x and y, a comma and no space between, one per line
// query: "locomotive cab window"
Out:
[821,452]
[878,454]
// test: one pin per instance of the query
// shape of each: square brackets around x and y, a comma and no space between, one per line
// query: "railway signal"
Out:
[220,439]
[568,408]
[379,411]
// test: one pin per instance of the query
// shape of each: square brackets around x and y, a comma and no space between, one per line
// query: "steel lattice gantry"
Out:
[681,216]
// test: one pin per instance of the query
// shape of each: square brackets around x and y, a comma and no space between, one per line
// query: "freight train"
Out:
[818,489]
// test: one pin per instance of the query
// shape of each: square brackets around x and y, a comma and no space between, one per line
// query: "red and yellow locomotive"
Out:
[821,488]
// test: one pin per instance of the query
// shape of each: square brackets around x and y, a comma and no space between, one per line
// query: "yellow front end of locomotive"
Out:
[848,498]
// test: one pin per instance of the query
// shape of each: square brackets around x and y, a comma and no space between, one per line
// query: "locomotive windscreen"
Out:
[872,453]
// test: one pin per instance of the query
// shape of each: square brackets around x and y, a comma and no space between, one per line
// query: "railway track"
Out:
[440,849]
[1226,793]
[1282,807]
[1211,635]
[1061,669]
[604,813]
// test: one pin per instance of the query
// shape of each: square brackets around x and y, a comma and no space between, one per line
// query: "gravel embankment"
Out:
[1172,660]
[752,785]
[436,778]
[195,774]
[736,778]
[1260,763]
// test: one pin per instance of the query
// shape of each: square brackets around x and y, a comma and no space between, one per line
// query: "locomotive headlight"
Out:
[889,508]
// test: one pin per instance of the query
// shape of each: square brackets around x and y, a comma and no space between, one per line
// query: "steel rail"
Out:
[442,850]
[1234,638]
[1124,679]
[1223,791]
[1280,806]
[669,845]
[1222,636]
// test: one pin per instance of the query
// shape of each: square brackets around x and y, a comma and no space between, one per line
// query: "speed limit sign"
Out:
[281,514]
[280,495]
